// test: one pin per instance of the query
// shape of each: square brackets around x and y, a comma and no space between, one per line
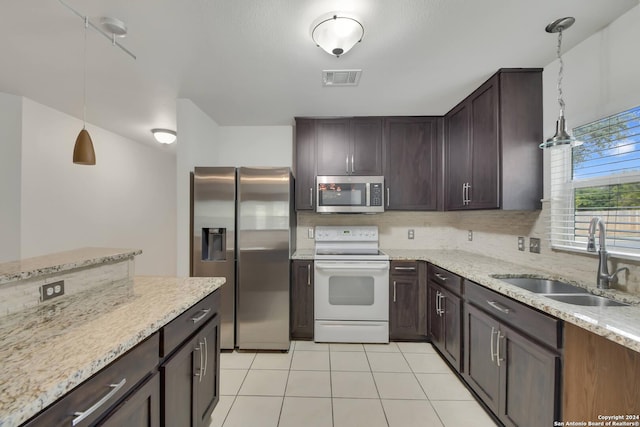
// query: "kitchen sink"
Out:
[586,299]
[543,286]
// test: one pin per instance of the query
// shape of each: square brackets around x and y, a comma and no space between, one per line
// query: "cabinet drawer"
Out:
[445,279]
[185,325]
[115,381]
[541,327]
[403,268]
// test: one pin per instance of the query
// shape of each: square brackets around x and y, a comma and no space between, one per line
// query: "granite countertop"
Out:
[301,254]
[618,324]
[46,351]
[62,261]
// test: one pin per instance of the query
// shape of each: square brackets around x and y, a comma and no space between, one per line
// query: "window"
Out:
[601,178]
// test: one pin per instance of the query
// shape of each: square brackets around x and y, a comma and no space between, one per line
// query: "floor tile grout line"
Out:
[286,384]
[386,419]
[333,420]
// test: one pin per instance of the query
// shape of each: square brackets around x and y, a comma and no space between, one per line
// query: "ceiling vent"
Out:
[341,77]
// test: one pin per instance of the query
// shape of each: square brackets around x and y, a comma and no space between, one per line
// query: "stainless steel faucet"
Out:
[604,279]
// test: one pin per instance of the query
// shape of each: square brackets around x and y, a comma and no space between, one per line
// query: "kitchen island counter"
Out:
[47,350]
[618,324]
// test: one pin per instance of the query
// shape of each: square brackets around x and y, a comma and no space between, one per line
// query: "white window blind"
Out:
[601,178]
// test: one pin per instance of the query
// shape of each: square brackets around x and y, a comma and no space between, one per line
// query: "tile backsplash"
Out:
[495,234]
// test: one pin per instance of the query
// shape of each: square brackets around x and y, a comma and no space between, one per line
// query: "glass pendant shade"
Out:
[561,137]
[83,153]
[337,34]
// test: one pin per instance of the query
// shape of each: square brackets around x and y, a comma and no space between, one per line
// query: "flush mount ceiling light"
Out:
[336,33]
[562,136]
[164,136]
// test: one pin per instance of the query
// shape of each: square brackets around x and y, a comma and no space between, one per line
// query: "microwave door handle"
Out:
[367,201]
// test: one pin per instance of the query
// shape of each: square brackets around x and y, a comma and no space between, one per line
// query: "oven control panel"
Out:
[346,234]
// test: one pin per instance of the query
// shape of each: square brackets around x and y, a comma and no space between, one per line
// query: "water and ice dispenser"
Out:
[214,244]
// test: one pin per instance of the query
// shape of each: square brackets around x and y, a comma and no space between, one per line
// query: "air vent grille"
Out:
[341,77]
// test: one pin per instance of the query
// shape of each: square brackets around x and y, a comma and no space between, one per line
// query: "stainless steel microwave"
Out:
[349,194]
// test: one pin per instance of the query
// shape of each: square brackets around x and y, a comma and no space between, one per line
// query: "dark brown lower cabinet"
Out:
[140,409]
[302,300]
[190,379]
[517,378]
[407,301]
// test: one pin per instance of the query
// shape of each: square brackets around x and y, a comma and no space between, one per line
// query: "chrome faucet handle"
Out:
[613,279]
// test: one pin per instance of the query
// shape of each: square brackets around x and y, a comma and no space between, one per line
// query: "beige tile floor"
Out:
[343,385]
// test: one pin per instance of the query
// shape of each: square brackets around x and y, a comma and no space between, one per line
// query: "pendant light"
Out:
[83,153]
[562,136]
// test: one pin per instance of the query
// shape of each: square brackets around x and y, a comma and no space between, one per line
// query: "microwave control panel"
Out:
[376,194]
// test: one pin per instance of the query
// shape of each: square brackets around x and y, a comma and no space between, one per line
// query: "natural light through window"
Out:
[601,178]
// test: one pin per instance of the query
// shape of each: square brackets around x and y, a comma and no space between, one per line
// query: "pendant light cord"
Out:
[84,75]
[560,73]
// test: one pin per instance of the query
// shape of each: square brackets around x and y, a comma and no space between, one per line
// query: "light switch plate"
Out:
[521,243]
[310,233]
[411,234]
[470,235]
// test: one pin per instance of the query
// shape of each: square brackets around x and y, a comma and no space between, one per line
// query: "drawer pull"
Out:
[441,277]
[80,416]
[499,307]
[202,315]
[404,268]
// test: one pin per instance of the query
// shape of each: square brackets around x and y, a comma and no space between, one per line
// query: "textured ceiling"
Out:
[252,62]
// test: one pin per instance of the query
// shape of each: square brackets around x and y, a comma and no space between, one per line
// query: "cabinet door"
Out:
[302,300]
[407,311]
[366,146]
[411,162]
[435,319]
[332,147]
[178,384]
[305,164]
[481,369]
[457,156]
[140,409]
[451,338]
[527,363]
[207,387]
[485,163]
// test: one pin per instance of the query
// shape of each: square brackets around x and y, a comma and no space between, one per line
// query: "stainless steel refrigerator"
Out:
[243,228]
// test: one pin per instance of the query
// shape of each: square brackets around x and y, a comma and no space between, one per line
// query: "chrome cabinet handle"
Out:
[203,314]
[346,164]
[80,416]
[493,355]
[498,338]
[309,274]
[464,198]
[311,196]
[404,268]
[394,291]
[387,196]
[442,296]
[499,307]
[438,303]
[199,374]
[468,194]
[441,277]
[206,357]
[353,169]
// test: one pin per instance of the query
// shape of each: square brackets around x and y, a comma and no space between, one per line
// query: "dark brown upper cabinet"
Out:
[411,162]
[491,154]
[349,146]
[305,164]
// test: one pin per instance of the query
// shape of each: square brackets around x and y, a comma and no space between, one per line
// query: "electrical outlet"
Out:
[411,234]
[534,245]
[470,235]
[520,243]
[310,232]
[51,290]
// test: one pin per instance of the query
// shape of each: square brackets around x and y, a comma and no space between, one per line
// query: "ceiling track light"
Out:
[164,136]
[562,136]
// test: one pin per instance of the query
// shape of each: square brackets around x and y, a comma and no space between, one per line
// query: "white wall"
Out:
[202,142]
[126,200]
[10,162]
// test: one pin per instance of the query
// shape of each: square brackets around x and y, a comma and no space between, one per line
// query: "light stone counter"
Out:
[62,261]
[303,254]
[46,351]
[618,324]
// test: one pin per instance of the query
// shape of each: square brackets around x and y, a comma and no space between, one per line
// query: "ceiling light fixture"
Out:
[562,136]
[83,153]
[164,136]
[336,33]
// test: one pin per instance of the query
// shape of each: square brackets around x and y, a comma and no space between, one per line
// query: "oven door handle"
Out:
[353,266]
